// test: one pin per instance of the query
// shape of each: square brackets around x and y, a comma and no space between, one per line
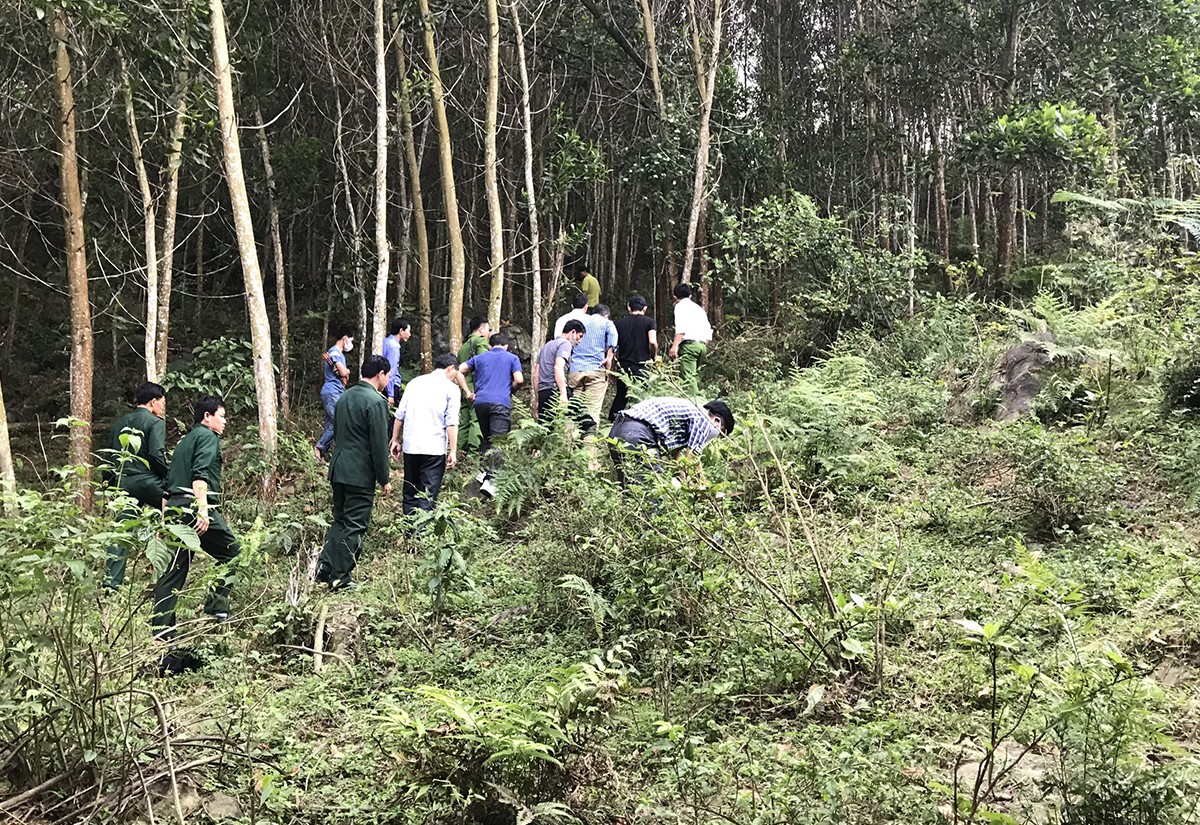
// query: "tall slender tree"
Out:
[454,237]
[495,216]
[383,258]
[82,360]
[256,304]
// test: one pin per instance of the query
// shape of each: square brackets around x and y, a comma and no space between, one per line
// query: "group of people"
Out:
[428,416]
[187,489]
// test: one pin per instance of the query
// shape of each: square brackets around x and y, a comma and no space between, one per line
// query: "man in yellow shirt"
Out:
[589,286]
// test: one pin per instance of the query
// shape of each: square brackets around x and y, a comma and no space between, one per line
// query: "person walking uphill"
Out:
[660,426]
[692,334]
[138,467]
[337,376]
[550,371]
[469,436]
[495,373]
[591,360]
[637,344]
[359,462]
[428,419]
[194,490]
[589,286]
[398,333]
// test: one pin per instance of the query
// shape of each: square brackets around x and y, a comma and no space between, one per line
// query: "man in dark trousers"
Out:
[137,460]
[425,433]
[637,344]
[550,371]
[359,462]
[496,373]
[663,426]
[194,490]
[476,344]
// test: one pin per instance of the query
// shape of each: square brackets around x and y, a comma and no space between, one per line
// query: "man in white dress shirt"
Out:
[425,432]
[579,312]
[692,334]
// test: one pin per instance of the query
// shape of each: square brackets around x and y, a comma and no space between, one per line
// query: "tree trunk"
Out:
[458,263]
[943,203]
[537,311]
[256,304]
[495,216]
[383,253]
[652,59]
[1006,226]
[81,310]
[149,224]
[166,260]
[424,310]
[353,212]
[199,264]
[281,302]
[8,474]
[707,90]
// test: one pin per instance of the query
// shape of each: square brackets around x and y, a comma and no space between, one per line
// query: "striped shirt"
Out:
[677,422]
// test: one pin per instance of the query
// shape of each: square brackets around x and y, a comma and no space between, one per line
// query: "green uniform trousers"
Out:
[148,497]
[469,434]
[691,359]
[220,543]
[343,543]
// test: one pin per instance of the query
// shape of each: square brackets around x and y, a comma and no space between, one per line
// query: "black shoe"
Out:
[178,661]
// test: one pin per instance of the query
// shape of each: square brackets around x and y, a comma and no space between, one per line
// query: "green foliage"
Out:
[1060,139]
[781,246]
[462,751]
[223,367]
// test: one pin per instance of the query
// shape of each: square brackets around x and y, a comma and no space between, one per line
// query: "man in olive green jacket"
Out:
[359,462]
[137,460]
[194,490]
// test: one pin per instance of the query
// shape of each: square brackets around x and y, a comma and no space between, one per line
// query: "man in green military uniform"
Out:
[194,490]
[469,434]
[359,462]
[137,461]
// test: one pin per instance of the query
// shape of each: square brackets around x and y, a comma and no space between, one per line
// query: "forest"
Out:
[942,570]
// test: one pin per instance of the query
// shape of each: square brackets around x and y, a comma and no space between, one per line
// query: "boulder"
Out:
[1018,378]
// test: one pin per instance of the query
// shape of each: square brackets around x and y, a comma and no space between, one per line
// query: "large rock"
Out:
[1018,378]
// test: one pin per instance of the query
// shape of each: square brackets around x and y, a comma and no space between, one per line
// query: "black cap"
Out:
[719,407]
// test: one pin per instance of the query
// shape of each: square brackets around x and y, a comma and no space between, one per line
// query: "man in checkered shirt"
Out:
[656,426]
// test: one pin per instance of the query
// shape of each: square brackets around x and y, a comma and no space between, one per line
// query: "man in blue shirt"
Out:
[656,426]
[590,361]
[399,332]
[337,376]
[496,372]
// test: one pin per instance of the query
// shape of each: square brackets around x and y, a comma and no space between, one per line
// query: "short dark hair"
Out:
[637,303]
[397,326]
[601,309]
[682,291]
[341,331]
[579,301]
[583,270]
[444,360]
[207,405]
[719,407]
[498,339]
[477,322]
[574,325]
[149,392]
[375,364]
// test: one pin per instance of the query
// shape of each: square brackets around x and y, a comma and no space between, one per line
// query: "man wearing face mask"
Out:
[337,376]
